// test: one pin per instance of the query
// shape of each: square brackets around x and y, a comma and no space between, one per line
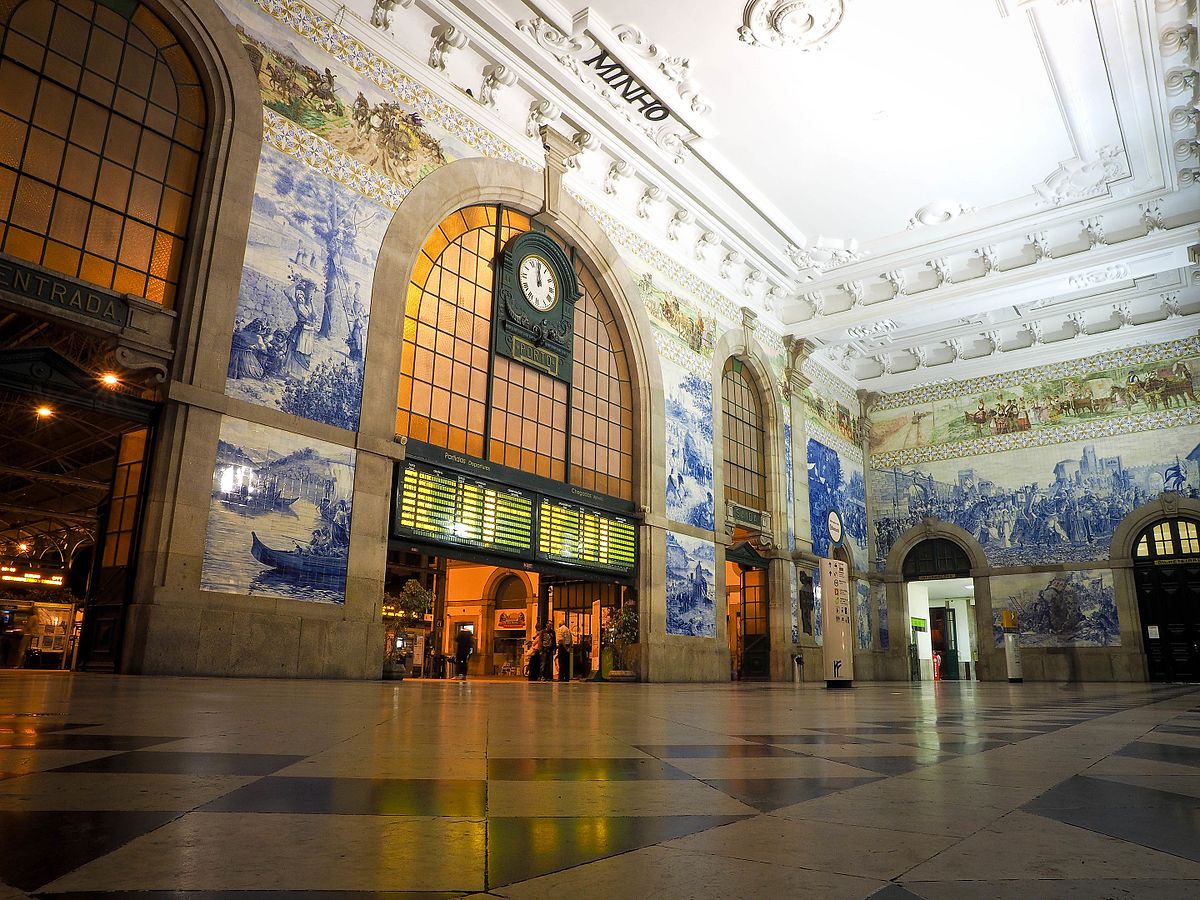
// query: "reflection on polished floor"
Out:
[203,787]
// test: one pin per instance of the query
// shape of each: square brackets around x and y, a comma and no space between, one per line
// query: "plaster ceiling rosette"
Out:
[803,24]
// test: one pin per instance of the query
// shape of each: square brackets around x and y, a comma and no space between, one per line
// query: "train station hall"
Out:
[778,474]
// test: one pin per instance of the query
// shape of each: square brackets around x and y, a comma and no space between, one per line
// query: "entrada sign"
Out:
[627,87]
[63,293]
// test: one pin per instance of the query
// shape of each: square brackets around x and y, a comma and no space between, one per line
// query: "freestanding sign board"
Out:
[837,626]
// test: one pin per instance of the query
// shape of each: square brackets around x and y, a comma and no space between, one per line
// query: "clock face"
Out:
[538,283]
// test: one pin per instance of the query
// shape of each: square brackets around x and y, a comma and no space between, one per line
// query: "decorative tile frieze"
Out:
[1130,356]
[1088,430]
[330,37]
[671,348]
[301,144]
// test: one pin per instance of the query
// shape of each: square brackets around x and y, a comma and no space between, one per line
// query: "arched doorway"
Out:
[940,608]
[516,405]
[1166,567]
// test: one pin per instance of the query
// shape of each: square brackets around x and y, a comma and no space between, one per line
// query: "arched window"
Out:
[102,121]
[745,439]
[936,557]
[455,394]
[1166,539]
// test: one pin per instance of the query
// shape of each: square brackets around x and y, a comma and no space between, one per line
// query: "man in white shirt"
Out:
[565,640]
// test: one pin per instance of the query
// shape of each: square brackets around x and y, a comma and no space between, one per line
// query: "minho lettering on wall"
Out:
[627,87]
[64,293]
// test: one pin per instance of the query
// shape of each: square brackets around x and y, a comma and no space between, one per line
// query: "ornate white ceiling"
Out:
[924,190]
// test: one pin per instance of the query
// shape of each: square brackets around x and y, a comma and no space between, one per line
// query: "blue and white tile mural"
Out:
[835,482]
[881,608]
[816,610]
[300,336]
[791,495]
[279,518]
[691,586]
[862,609]
[689,432]
[794,596]
[1060,609]
[1059,503]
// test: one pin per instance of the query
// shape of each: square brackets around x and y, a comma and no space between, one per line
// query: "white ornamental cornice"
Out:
[1151,252]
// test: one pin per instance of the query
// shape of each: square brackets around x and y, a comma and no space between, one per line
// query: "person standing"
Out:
[545,643]
[565,641]
[464,644]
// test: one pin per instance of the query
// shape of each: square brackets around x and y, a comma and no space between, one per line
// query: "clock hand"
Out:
[539,271]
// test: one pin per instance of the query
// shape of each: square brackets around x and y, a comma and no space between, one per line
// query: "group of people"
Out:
[540,651]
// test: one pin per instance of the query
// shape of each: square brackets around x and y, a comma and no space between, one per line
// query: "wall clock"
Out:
[535,294]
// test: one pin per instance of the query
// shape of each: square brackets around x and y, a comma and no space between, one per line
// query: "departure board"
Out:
[457,509]
[582,536]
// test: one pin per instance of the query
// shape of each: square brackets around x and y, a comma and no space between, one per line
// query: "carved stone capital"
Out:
[558,149]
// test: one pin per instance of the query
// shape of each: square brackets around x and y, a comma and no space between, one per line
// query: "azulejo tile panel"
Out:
[300,336]
[678,316]
[862,615]
[1084,367]
[333,85]
[1109,394]
[836,483]
[691,568]
[689,445]
[1038,505]
[1152,421]
[1061,609]
[791,490]
[279,518]
[881,609]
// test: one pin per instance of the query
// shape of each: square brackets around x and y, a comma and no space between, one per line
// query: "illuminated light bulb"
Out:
[109,379]
[44,412]
[22,547]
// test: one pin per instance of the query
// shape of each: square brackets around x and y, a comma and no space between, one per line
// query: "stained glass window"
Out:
[101,127]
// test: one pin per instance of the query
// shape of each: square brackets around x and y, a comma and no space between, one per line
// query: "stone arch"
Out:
[934,528]
[1168,505]
[740,344]
[472,181]
[498,577]
[211,278]
[990,662]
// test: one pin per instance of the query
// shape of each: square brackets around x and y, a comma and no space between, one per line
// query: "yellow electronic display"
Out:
[459,510]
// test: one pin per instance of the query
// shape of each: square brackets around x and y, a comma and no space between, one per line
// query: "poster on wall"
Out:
[838,624]
[511,620]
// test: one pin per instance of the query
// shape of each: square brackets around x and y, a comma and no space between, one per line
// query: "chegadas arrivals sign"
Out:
[837,626]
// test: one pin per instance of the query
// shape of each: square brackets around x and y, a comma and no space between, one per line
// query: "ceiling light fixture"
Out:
[44,412]
[109,379]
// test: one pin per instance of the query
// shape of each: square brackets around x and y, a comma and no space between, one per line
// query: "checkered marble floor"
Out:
[198,788]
